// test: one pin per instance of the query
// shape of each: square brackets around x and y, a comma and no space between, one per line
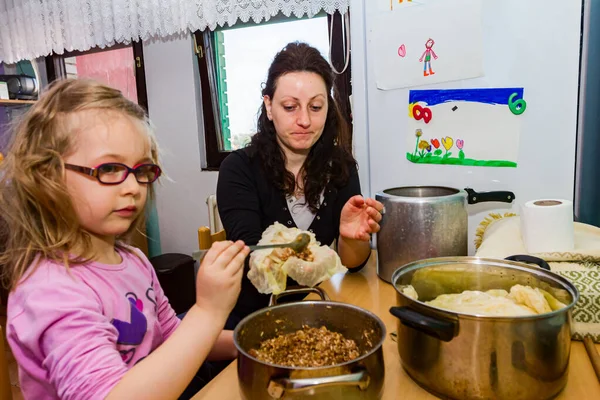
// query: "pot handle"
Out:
[298,290]
[529,260]
[438,328]
[279,387]
[482,197]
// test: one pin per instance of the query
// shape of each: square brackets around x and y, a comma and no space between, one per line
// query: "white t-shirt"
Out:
[301,213]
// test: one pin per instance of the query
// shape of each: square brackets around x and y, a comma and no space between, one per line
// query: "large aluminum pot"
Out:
[464,356]
[361,378]
[424,222]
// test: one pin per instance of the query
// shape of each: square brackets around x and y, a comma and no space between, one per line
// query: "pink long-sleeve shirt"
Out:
[75,333]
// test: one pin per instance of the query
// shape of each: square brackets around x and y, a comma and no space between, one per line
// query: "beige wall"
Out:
[175,109]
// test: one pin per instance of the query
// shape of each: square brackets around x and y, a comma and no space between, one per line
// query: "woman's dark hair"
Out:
[330,159]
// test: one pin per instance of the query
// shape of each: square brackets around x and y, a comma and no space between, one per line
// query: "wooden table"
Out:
[366,290]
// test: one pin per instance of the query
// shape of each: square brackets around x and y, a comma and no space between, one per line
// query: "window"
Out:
[233,64]
[119,66]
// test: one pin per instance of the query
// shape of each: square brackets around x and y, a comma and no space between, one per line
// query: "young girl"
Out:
[87,318]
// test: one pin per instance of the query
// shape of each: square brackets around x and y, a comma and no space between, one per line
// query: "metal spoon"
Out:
[298,245]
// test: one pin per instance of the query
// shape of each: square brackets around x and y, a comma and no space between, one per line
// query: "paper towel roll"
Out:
[547,226]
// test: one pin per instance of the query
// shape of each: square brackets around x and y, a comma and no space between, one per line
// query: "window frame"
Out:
[55,66]
[203,42]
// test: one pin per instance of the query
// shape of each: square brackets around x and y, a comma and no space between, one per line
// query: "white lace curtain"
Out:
[34,28]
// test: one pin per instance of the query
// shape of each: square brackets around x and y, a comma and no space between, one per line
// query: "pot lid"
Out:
[422,194]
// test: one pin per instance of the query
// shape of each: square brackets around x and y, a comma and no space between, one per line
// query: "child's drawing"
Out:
[446,124]
[402,50]
[399,2]
[427,56]
[445,36]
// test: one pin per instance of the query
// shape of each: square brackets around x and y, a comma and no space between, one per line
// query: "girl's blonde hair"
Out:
[37,218]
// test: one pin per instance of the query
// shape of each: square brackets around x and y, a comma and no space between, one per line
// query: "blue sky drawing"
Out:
[489,96]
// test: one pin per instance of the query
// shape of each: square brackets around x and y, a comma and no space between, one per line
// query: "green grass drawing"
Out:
[446,160]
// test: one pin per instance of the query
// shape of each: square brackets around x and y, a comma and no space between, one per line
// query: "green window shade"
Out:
[221,69]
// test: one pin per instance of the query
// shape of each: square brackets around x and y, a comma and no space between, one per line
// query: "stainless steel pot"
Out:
[424,222]
[361,378]
[464,356]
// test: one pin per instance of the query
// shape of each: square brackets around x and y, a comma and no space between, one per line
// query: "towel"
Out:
[499,236]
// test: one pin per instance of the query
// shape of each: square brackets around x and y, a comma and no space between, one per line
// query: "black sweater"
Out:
[248,204]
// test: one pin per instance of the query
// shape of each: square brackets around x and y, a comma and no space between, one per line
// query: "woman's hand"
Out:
[360,218]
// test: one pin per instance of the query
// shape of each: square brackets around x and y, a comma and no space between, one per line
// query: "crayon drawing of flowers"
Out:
[431,151]
[415,155]
[424,147]
[460,144]
[436,144]
[447,142]
[462,127]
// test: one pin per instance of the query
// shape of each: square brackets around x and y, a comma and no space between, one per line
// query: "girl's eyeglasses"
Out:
[115,173]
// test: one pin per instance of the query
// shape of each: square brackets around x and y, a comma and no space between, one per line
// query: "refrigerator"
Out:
[587,187]
[550,48]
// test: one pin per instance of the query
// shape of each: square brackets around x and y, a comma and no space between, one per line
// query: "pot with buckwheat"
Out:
[310,350]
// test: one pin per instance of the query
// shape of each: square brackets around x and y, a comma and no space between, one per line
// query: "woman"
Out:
[298,169]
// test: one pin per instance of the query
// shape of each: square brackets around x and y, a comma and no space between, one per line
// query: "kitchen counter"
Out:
[366,290]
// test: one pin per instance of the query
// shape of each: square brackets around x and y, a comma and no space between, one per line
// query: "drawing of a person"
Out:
[399,2]
[427,56]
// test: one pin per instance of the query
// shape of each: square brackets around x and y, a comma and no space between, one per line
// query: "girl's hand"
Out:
[360,218]
[220,277]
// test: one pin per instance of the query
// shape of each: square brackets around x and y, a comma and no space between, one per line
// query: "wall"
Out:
[360,120]
[548,135]
[175,109]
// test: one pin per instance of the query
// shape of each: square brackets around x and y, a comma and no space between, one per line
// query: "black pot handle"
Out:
[529,260]
[435,327]
[482,197]
[298,290]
